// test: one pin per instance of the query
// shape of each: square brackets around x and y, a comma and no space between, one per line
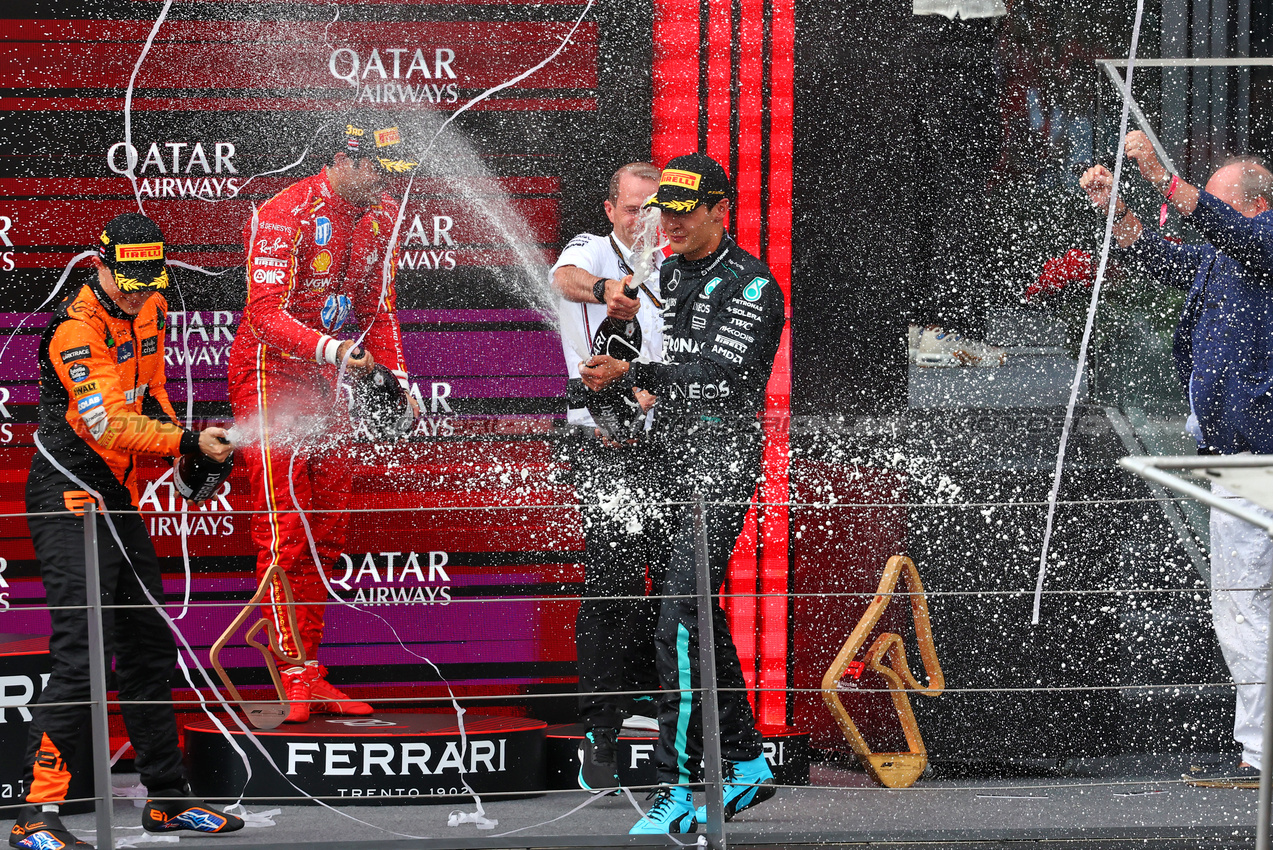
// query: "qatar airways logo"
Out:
[385,578]
[178,169]
[198,339]
[428,246]
[8,259]
[206,520]
[397,74]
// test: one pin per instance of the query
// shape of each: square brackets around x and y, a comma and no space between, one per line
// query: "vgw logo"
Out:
[383,578]
[205,520]
[177,159]
[397,74]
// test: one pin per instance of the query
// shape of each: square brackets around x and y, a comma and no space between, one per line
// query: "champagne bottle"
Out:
[615,409]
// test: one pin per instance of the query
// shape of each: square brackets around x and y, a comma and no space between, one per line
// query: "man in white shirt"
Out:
[614,636]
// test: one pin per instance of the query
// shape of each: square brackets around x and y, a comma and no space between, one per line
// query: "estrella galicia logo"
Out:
[73,354]
[322,230]
[335,311]
[149,345]
[753,290]
[124,352]
[78,373]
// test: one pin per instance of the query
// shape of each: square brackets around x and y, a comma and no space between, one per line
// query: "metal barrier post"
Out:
[712,772]
[1266,781]
[97,682]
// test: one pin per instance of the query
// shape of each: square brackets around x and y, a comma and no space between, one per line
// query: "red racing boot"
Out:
[298,690]
[335,701]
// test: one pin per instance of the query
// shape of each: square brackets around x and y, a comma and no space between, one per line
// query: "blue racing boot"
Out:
[746,784]
[673,811]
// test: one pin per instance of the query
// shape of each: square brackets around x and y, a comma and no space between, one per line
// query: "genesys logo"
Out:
[178,169]
[397,74]
[385,578]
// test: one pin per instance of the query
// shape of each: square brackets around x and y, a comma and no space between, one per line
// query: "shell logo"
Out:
[322,262]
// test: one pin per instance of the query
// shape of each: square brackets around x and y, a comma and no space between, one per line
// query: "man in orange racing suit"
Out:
[103,404]
[316,257]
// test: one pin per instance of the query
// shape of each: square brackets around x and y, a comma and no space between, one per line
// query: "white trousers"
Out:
[1241,570]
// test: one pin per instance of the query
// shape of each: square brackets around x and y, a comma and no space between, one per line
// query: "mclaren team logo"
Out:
[676,177]
[139,252]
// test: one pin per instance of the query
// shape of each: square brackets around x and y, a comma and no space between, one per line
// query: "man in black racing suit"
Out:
[723,317]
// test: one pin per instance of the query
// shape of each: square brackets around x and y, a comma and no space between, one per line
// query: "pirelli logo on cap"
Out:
[387,136]
[140,252]
[676,177]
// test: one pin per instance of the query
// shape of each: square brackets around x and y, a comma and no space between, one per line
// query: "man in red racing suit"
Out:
[316,260]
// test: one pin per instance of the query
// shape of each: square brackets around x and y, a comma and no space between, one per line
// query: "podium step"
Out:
[786,749]
[387,759]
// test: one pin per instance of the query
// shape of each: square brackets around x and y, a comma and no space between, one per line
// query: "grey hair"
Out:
[644,170]
[1256,180]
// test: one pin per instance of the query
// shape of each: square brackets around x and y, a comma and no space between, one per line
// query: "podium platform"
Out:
[786,749]
[386,759]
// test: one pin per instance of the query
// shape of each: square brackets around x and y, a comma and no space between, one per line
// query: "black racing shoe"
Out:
[599,760]
[185,813]
[37,830]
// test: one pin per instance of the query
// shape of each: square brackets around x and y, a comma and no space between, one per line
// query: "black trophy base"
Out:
[389,759]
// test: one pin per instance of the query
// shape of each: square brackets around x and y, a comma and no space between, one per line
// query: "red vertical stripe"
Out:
[774,567]
[720,28]
[751,64]
[675,105]
[760,562]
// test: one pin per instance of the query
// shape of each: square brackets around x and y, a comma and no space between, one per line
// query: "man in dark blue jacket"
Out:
[1224,356]
[723,315]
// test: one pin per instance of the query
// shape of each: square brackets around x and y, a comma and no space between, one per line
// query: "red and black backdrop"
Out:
[221,113]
